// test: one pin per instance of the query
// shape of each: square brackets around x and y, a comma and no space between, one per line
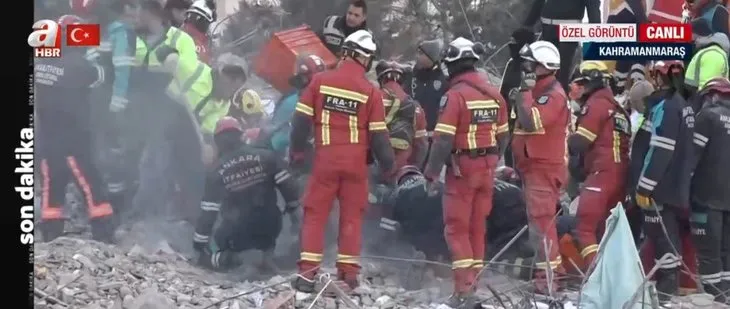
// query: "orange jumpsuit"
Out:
[346,113]
[541,157]
[603,137]
[473,118]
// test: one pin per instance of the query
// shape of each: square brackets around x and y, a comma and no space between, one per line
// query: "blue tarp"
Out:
[618,273]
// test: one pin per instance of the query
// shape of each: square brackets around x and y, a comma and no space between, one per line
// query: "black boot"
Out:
[303,284]
[52,229]
[461,301]
[667,284]
[102,229]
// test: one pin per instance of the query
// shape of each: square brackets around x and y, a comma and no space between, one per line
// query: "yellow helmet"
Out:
[248,101]
[591,70]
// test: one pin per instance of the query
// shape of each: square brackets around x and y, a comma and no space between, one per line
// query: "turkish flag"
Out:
[83,35]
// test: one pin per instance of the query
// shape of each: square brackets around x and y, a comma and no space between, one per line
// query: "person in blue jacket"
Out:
[306,67]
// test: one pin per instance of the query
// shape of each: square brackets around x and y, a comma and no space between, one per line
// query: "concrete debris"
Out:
[81,273]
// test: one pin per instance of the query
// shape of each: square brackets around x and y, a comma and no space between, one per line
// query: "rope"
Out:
[261,288]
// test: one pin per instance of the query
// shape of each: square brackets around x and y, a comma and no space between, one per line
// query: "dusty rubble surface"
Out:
[80,273]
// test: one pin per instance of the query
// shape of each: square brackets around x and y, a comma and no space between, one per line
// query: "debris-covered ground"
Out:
[147,273]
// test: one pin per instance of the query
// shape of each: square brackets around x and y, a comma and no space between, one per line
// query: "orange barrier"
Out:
[276,60]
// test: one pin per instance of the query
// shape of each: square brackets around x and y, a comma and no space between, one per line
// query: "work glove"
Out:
[528,81]
[644,202]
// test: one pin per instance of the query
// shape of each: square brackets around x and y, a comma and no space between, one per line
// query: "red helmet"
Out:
[82,7]
[669,67]
[228,124]
[69,19]
[717,85]
[252,134]
[309,65]
[305,67]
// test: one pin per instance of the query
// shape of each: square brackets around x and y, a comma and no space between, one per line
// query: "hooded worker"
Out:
[543,120]
[601,145]
[345,113]
[242,186]
[638,94]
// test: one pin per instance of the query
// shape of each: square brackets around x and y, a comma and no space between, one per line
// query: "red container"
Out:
[276,60]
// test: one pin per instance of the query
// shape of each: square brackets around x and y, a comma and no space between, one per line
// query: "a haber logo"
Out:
[46,37]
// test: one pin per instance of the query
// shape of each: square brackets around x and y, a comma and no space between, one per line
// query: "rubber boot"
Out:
[461,301]
[52,229]
[303,284]
[103,228]
[350,279]
[667,284]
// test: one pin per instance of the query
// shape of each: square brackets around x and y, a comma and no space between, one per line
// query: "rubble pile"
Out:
[81,273]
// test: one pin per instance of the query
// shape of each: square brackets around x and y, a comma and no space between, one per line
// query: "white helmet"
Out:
[201,9]
[461,48]
[542,52]
[361,42]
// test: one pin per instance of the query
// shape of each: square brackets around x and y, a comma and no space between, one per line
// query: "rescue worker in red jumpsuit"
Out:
[540,149]
[402,117]
[197,21]
[346,114]
[469,137]
[599,154]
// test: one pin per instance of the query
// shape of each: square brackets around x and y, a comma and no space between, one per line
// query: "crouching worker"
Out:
[242,186]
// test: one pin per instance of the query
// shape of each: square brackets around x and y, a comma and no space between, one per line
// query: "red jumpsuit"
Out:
[202,42]
[604,126]
[347,112]
[541,157]
[473,117]
[415,151]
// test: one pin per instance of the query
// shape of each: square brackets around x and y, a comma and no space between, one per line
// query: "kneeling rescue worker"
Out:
[346,112]
[63,87]
[470,135]
[540,150]
[710,190]
[660,171]
[404,117]
[601,145]
[242,185]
